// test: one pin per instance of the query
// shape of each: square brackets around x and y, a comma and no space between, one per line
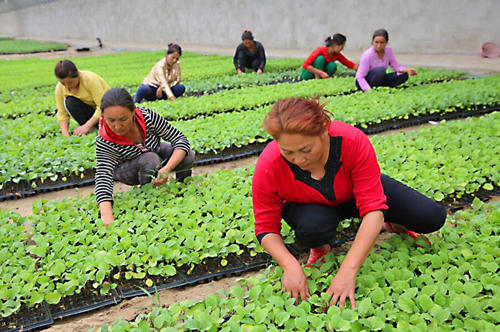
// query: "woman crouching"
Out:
[129,149]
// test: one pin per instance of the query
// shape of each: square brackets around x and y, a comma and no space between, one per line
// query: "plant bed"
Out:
[453,204]
[27,318]
[231,153]
[132,287]
[24,188]
[88,299]
[211,268]
[414,120]
[253,259]
[286,79]
[29,46]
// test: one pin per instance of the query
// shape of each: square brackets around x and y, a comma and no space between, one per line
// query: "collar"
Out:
[106,132]
[332,166]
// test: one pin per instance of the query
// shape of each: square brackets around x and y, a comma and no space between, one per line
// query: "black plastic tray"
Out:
[88,299]
[27,319]
[132,287]
[234,153]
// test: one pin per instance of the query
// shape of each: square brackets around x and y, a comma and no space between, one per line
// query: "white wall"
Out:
[415,26]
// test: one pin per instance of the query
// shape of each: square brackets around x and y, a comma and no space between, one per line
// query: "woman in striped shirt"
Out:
[129,149]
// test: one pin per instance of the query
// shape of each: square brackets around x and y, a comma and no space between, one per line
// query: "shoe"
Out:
[316,254]
[388,227]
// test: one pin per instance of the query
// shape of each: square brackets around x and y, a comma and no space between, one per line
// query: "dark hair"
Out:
[65,68]
[337,39]
[117,97]
[173,47]
[381,33]
[297,116]
[247,34]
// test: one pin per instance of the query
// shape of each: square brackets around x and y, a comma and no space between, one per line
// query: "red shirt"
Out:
[323,50]
[352,164]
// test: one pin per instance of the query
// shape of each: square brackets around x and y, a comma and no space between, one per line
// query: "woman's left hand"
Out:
[159,92]
[161,178]
[342,287]
[259,71]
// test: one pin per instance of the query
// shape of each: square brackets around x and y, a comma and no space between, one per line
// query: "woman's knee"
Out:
[314,224]
[434,216]
[331,68]
[149,161]
[178,90]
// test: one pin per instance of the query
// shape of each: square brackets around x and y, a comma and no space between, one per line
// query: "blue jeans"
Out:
[378,77]
[148,92]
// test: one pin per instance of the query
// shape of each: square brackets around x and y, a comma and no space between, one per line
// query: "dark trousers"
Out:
[378,77]
[78,110]
[148,92]
[247,62]
[316,224]
[143,169]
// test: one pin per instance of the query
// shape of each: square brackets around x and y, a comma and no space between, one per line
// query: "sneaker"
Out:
[388,227]
[316,254]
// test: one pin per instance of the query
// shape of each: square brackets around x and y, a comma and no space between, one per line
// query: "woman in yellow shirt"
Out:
[78,94]
[163,80]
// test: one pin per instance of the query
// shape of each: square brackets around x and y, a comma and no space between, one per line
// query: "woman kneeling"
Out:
[316,173]
[129,148]
[163,81]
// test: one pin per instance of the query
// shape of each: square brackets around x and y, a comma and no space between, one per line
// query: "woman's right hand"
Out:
[323,74]
[107,219]
[106,213]
[294,281]
[239,71]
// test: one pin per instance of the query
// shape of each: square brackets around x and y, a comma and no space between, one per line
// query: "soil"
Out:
[128,309]
[24,206]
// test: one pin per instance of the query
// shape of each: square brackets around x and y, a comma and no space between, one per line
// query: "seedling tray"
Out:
[87,300]
[254,262]
[132,287]
[211,268]
[234,152]
[27,318]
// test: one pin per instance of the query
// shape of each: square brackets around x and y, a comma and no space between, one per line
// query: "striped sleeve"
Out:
[107,160]
[166,131]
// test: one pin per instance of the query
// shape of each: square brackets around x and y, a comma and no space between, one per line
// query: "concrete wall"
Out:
[415,26]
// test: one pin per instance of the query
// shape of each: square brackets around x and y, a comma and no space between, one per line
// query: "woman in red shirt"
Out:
[316,173]
[321,62]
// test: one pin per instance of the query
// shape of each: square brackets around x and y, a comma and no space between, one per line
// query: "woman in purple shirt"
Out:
[374,63]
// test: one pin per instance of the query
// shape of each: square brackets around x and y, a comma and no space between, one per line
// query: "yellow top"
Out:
[92,88]
[159,76]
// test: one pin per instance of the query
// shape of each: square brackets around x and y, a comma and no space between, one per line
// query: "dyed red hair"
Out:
[297,116]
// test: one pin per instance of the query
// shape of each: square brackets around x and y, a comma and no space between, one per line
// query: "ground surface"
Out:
[129,309]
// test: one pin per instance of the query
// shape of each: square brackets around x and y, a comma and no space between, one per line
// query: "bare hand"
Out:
[159,92]
[239,71]
[172,98]
[161,178]
[342,287]
[65,134]
[294,282]
[322,74]
[107,219]
[259,71]
[80,131]
[411,71]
